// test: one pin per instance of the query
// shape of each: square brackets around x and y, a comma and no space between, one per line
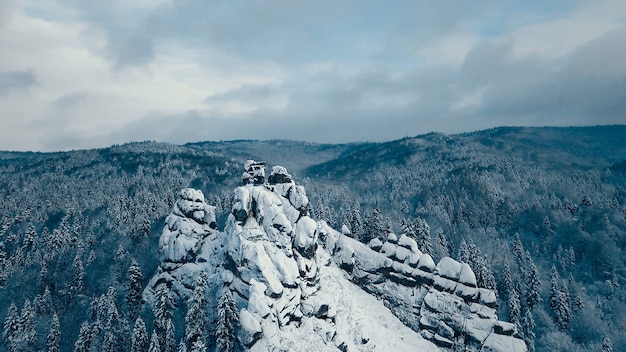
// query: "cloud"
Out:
[13,80]
[329,71]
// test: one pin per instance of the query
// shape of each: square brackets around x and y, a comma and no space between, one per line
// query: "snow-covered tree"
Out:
[12,326]
[198,346]
[226,322]
[154,343]
[607,344]
[139,339]
[560,304]
[196,319]
[83,342]
[528,329]
[134,297]
[515,306]
[53,341]
[422,235]
[533,285]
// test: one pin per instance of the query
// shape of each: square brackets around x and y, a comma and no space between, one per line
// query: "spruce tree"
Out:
[607,344]
[53,341]
[154,343]
[196,319]
[226,322]
[528,328]
[515,306]
[422,236]
[134,299]
[139,339]
[533,285]
[12,326]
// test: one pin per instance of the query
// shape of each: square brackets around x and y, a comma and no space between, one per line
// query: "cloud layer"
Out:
[81,74]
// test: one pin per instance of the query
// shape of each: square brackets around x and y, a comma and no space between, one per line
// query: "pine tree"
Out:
[226,322]
[528,328]
[154,343]
[12,326]
[515,306]
[560,302]
[163,307]
[27,335]
[83,342]
[196,319]
[356,222]
[422,236]
[198,346]
[134,298]
[182,346]
[507,280]
[139,340]
[607,344]
[518,251]
[533,285]
[463,255]
[78,281]
[54,336]
[169,340]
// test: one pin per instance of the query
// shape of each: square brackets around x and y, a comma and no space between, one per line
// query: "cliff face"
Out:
[290,278]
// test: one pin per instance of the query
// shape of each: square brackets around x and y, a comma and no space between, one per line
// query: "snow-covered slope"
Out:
[299,285]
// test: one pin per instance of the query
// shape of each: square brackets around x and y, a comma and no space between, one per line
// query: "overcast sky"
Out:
[90,73]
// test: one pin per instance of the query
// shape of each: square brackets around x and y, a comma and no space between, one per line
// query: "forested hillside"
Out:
[538,213]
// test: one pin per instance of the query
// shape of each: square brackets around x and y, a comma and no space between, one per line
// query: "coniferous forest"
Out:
[538,213]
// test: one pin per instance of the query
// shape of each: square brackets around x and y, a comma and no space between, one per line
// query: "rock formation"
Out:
[441,301]
[284,270]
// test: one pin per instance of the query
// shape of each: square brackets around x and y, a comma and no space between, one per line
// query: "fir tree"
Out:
[12,326]
[196,318]
[533,285]
[515,306]
[422,236]
[139,340]
[77,286]
[83,342]
[53,341]
[528,328]
[169,340]
[27,334]
[560,304]
[226,322]
[198,346]
[154,343]
[607,344]
[134,299]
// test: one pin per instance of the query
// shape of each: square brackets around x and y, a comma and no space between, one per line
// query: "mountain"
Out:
[538,215]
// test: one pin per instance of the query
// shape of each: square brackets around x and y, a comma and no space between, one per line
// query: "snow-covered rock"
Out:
[441,301]
[288,275]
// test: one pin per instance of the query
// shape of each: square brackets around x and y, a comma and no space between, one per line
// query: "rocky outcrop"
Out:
[271,252]
[188,246]
[273,257]
[441,301]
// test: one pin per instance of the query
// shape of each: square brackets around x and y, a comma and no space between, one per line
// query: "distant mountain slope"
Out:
[503,200]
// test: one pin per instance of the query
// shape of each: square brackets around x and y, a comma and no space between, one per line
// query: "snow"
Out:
[467,276]
[362,323]
[449,268]
[426,263]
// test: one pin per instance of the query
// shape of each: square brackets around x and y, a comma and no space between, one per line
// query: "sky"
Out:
[78,74]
